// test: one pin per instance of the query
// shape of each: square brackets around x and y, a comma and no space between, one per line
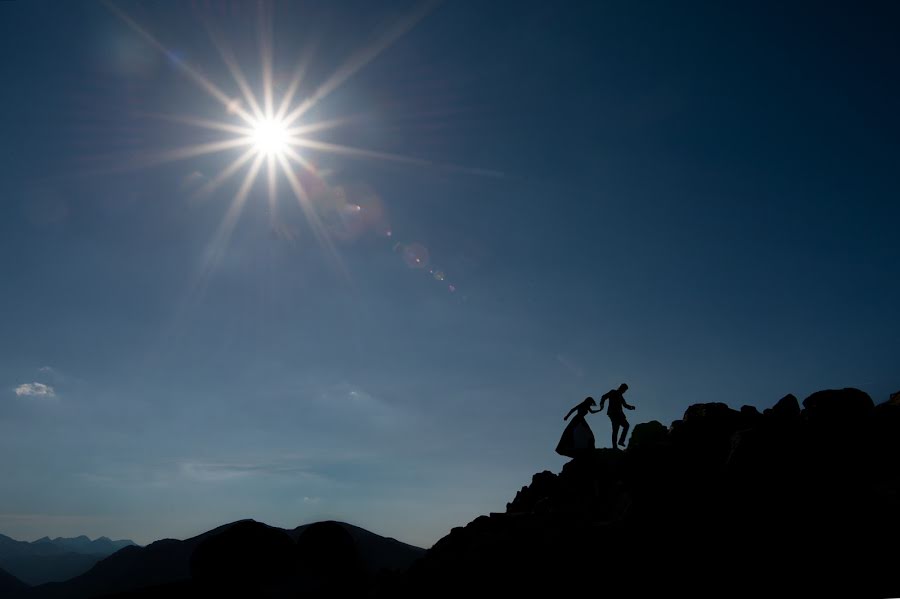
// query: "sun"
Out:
[270,137]
[275,138]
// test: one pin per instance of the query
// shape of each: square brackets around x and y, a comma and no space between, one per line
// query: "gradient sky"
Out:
[700,201]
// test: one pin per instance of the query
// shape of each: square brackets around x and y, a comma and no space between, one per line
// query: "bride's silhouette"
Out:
[577,437]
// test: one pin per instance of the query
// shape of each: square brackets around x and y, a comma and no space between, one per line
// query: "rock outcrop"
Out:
[795,502]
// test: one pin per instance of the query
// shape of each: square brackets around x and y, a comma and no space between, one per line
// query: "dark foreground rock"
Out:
[727,503]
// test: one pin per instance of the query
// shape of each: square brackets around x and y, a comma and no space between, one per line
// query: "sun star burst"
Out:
[274,135]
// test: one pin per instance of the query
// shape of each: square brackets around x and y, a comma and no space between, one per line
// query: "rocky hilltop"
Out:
[793,501]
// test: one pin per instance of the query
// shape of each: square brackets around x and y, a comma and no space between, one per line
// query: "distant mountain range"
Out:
[49,560]
[83,544]
[245,555]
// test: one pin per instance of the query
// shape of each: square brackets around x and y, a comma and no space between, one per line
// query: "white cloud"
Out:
[223,471]
[35,390]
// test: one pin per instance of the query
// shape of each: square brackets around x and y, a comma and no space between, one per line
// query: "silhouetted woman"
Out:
[577,437]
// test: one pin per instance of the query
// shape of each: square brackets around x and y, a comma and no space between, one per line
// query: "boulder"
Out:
[750,412]
[838,406]
[714,413]
[648,434]
[543,485]
[703,438]
[785,409]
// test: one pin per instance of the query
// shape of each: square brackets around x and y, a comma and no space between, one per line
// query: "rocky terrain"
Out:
[794,501]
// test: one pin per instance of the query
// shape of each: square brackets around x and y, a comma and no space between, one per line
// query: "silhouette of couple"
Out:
[578,437]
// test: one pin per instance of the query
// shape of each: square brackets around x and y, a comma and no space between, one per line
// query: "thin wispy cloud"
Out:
[10,520]
[224,471]
[35,389]
[348,399]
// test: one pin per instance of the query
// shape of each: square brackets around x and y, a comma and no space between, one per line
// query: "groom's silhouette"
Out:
[615,413]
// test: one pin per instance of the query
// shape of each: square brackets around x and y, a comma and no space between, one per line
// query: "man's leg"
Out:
[625,427]
[615,429]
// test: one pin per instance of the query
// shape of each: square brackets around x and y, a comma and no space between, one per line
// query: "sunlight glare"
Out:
[270,137]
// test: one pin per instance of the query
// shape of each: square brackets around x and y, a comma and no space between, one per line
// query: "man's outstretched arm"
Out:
[603,399]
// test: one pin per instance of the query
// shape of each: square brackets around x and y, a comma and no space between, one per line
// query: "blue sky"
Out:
[700,201]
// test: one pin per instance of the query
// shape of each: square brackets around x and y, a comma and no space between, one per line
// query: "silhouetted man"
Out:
[615,413]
